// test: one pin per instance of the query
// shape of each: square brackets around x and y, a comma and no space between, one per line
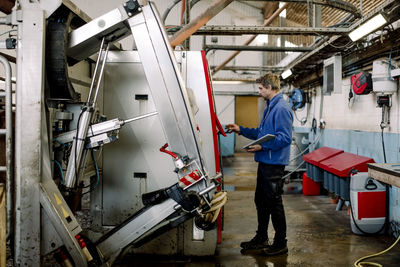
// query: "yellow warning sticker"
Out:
[65,213]
[58,200]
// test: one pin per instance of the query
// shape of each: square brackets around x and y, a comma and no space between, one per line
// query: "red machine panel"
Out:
[341,164]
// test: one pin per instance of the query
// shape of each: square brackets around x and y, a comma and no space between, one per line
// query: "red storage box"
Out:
[310,188]
[314,158]
[320,154]
[341,164]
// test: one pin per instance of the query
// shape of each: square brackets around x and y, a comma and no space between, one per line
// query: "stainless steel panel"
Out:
[112,246]
[49,237]
[84,41]
[62,219]
[137,150]
[165,82]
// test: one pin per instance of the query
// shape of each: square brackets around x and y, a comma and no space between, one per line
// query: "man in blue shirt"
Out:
[272,157]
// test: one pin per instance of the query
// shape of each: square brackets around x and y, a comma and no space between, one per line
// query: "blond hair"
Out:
[270,79]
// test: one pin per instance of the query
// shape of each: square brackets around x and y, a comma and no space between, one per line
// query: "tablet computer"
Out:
[260,140]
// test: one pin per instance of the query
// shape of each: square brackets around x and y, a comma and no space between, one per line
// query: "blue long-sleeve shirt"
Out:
[277,120]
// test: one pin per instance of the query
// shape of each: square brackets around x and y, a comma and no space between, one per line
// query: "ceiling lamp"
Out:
[286,73]
[367,27]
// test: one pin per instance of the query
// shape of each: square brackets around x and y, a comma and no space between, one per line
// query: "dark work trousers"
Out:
[268,200]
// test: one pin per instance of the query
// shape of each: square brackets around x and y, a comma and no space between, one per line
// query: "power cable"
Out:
[61,171]
[298,166]
[383,146]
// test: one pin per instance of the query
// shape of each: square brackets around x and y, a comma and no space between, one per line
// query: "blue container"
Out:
[309,169]
[331,183]
[318,174]
[345,188]
[336,180]
[326,180]
[314,172]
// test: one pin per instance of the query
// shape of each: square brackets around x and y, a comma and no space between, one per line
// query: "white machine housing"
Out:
[383,81]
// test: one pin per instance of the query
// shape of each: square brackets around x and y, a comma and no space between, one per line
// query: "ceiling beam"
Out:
[242,30]
[199,21]
[251,68]
[6,6]
[258,48]
[266,23]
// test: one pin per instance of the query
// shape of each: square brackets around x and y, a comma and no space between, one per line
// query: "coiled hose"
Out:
[218,201]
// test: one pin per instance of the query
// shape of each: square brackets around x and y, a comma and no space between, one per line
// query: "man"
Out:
[272,157]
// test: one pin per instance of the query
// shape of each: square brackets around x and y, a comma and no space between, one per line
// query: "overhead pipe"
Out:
[258,48]
[171,6]
[166,12]
[266,23]
[196,23]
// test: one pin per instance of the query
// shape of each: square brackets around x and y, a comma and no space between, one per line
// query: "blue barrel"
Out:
[318,174]
[309,169]
[331,183]
[345,188]
[326,180]
[336,180]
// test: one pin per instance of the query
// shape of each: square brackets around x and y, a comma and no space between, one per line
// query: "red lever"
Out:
[219,126]
[163,149]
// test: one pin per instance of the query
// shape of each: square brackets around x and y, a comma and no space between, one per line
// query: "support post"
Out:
[29,99]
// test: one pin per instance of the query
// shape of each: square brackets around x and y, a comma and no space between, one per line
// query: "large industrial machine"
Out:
[140,145]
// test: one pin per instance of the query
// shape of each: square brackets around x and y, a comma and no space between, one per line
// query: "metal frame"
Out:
[325,41]
[7,131]
[34,183]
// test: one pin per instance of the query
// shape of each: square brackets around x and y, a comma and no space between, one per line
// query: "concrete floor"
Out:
[318,235]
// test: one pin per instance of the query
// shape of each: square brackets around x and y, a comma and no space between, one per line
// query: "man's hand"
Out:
[232,128]
[254,148]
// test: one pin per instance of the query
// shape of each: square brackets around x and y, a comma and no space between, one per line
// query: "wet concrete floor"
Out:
[318,235]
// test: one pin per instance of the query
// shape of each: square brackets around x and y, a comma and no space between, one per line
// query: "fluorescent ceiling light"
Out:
[367,27]
[283,13]
[286,73]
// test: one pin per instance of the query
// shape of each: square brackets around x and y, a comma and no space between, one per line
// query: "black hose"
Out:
[383,147]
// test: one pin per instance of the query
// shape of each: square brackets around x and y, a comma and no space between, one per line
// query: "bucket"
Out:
[310,188]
